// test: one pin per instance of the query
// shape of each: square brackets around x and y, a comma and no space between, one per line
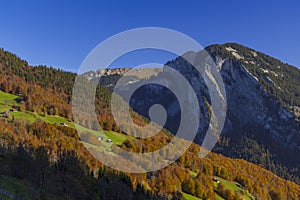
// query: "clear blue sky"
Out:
[62,33]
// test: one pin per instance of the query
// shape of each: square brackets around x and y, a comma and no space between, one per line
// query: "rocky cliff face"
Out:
[262,99]
[251,109]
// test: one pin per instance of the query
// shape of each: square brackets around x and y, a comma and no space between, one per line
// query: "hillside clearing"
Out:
[189,197]
[235,187]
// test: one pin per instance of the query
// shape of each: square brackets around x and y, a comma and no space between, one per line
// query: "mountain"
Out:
[262,119]
[42,155]
[262,108]
[109,77]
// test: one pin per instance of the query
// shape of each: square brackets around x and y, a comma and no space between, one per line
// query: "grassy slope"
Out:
[231,185]
[236,187]
[117,138]
[189,197]
[218,197]
[8,100]
[193,174]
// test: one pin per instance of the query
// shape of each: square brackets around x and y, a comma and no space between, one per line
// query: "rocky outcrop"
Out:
[134,72]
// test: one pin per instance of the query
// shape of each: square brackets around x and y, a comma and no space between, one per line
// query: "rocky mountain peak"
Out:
[262,96]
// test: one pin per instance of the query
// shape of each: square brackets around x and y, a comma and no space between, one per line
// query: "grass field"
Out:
[7,98]
[236,187]
[7,101]
[218,197]
[193,174]
[117,138]
[189,197]
[24,116]
[231,185]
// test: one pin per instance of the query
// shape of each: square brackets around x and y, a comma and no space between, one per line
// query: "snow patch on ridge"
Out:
[234,53]
[254,53]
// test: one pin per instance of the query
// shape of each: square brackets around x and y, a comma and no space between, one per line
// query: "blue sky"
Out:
[62,33]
